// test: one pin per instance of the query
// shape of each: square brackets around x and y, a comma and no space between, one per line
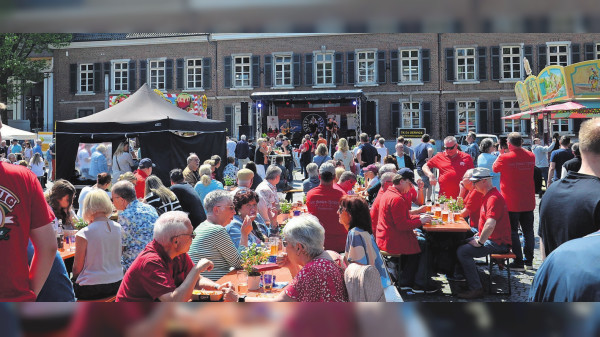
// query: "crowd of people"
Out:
[144,241]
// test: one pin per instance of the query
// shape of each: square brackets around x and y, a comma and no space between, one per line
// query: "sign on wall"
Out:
[411,133]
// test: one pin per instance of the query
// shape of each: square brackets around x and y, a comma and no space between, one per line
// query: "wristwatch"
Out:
[479,242]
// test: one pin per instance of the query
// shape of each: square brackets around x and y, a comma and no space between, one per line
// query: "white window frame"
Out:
[510,111]
[84,109]
[419,60]
[474,110]
[411,112]
[89,74]
[289,65]
[158,69]
[597,51]
[519,62]
[113,74]
[237,117]
[558,44]
[316,70]
[194,68]
[234,84]
[562,122]
[475,79]
[358,67]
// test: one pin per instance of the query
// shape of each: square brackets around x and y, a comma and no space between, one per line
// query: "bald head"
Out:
[589,137]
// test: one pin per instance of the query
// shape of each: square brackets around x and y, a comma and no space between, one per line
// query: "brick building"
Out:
[445,83]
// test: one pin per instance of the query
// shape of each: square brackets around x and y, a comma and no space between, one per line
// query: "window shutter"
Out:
[350,67]
[206,73]
[450,64]
[425,65]
[97,77]
[209,112]
[426,117]
[495,63]
[589,51]
[339,68]
[227,72]
[497,117]
[229,120]
[482,63]
[73,85]
[107,72]
[181,76]
[528,54]
[169,74]
[451,117]
[528,127]
[483,117]
[131,79]
[381,67]
[541,57]
[308,69]
[143,72]
[395,111]
[394,72]
[255,71]
[268,71]
[296,69]
[575,53]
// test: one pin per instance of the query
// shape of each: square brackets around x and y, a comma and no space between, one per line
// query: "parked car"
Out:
[462,139]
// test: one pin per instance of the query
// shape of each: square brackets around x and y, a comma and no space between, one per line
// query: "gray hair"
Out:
[306,230]
[450,139]
[347,176]
[272,172]
[243,137]
[387,168]
[171,224]
[125,190]
[191,157]
[213,198]
[312,169]
[386,177]
[485,145]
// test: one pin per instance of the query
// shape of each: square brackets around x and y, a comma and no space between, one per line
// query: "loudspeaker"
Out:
[367,120]
[244,113]
[245,130]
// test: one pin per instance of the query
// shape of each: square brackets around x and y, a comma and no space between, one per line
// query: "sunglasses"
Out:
[450,147]
[193,236]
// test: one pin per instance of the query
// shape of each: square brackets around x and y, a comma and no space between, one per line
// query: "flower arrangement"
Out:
[252,256]
[443,199]
[360,180]
[229,181]
[285,207]
[456,205]
[80,224]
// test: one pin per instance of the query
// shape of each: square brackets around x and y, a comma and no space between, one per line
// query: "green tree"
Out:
[18,71]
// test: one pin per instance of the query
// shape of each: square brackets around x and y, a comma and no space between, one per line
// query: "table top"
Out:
[279,155]
[281,275]
[456,227]
[66,254]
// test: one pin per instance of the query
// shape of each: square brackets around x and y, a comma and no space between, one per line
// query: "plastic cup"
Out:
[268,282]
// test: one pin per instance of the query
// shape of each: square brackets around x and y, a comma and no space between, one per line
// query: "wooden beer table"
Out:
[67,254]
[455,227]
[281,275]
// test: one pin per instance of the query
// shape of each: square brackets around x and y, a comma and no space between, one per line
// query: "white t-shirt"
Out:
[37,169]
[382,151]
[231,148]
[83,157]
[103,253]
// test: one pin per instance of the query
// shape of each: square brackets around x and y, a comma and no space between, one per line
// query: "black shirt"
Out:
[570,209]
[190,202]
[573,164]
[242,150]
[255,181]
[368,154]
[259,157]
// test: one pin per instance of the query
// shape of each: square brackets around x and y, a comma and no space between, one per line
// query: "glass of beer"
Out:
[242,277]
[445,216]
[456,217]
[428,208]
[268,282]
[437,213]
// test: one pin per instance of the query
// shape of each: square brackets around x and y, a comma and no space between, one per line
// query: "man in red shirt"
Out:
[24,216]
[494,232]
[323,202]
[395,234]
[452,165]
[143,171]
[472,202]
[346,182]
[518,189]
[386,182]
[163,270]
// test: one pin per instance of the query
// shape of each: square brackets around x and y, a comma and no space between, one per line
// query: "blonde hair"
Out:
[322,150]
[37,158]
[343,145]
[121,148]
[338,172]
[128,176]
[205,174]
[101,148]
[96,201]
[156,187]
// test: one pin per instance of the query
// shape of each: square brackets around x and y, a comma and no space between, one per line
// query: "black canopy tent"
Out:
[153,120]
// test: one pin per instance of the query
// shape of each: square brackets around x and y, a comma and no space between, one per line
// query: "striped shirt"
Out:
[160,206]
[212,242]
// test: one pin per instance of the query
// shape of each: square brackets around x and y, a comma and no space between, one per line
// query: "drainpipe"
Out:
[439,54]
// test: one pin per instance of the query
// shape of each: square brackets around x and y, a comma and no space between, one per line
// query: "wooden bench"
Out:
[505,258]
[390,264]
[107,299]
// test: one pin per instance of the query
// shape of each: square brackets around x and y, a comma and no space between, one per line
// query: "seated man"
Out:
[245,178]
[346,182]
[163,270]
[494,232]
[188,198]
[472,203]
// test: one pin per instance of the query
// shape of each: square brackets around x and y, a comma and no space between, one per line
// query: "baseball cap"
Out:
[407,173]
[245,174]
[146,163]
[327,167]
[480,173]
[372,168]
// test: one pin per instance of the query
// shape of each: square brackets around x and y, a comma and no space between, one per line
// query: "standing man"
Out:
[558,158]
[25,216]
[518,189]
[494,232]
[541,157]
[452,165]
[16,147]
[188,198]
[323,202]
[144,170]
[38,147]
[231,145]
[268,201]
[366,153]
[242,150]
[570,208]
[424,152]
[473,147]
[190,173]
[331,127]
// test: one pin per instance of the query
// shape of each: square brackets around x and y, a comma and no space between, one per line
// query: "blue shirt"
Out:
[16,148]
[234,229]
[58,286]
[486,160]
[98,164]
[38,149]
[204,190]
[137,222]
[362,248]
[400,160]
[421,154]
[473,151]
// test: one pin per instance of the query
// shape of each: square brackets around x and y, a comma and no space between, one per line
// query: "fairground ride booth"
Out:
[165,133]
[559,99]
[349,108]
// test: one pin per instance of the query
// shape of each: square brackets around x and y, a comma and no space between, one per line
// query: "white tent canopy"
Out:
[9,133]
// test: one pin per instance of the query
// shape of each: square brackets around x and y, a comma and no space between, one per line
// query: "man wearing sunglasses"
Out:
[452,165]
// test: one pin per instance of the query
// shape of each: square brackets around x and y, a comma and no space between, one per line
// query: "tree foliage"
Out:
[18,70]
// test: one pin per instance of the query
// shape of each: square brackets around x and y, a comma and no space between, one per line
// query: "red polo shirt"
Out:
[516,179]
[140,185]
[452,171]
[395,225]
[323,202]
[153,274]
[494,207]
[473,204]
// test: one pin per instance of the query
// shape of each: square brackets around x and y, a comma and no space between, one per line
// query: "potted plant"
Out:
[229,183]
[285,207]
[251,256]
[80,224]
